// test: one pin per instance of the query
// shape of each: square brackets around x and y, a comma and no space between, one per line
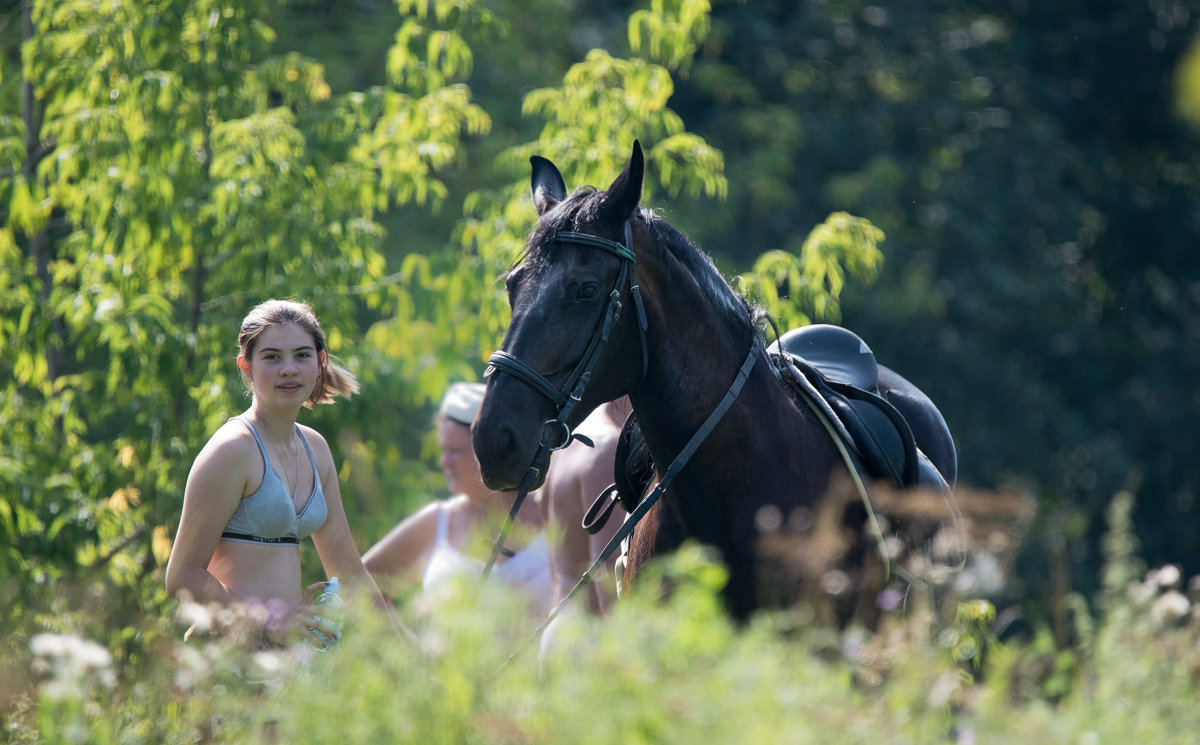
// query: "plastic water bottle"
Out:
[331,616]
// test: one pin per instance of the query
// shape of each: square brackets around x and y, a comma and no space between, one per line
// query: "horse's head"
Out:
[577,335]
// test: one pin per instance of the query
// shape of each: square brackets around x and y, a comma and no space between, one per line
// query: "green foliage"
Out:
[590,122]
[671,31]
[654,671]
[805,286]
[1187,86]
[177,173]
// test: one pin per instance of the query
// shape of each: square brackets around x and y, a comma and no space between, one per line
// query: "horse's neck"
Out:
[706,486]
[682,392]
[697,343]
[751,457]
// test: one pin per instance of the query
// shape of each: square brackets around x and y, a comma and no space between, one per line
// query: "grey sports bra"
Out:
[269,514]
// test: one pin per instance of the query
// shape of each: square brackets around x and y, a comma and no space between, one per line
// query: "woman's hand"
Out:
[302,624]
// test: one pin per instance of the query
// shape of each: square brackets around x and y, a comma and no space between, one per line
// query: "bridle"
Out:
[570,393]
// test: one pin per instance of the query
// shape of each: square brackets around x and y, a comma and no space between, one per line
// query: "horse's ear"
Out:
[546,183]
[626,190]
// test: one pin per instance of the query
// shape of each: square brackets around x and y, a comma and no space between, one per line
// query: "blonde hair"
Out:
[333,380]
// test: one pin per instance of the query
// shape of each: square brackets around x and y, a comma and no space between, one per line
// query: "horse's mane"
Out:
[699,265]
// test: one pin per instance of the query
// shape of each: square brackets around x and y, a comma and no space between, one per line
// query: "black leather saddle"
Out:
[842,369]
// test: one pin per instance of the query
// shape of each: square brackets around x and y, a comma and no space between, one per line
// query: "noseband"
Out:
[567,397]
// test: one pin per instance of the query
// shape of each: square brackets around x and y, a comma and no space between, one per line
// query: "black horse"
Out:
[611,299]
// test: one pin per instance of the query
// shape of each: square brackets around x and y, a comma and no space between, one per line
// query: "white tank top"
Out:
[528,570]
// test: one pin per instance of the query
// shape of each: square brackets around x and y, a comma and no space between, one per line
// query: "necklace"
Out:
[285,468]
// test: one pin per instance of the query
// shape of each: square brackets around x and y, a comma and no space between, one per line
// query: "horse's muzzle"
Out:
[504,460]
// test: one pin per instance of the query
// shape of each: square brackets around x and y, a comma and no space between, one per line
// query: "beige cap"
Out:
[461,402]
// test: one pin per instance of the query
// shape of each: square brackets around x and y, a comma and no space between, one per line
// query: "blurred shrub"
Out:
[656,670]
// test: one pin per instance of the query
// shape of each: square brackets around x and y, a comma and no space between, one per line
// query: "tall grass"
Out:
[653,671]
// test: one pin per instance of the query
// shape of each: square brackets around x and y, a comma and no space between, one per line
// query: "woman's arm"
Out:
[215,485]
[402,552]
[333,539]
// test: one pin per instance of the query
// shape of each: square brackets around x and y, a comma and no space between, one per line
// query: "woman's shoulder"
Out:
[453,506]
[231,451]
[316,441]
[232,439]
[425,519]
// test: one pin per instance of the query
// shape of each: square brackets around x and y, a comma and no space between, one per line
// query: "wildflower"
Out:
[835,582]
[270,662]
[196,617]
[1167,576]
[73,663]
[1170,609]
[984,576]
[890,599]
[1142,592]
[942,690]
[194,668]
[70,650]
[854,643]
[949,544]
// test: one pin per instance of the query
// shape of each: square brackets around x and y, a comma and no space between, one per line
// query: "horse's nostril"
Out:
[502,443]
[495,450]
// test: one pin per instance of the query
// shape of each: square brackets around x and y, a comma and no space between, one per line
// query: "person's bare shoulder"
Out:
[320,450]
[407,544]
[229,454]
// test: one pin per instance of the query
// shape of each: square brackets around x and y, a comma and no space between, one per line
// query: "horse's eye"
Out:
[587,291]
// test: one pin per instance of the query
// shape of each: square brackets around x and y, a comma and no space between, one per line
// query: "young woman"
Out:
[449,539]
[264,482]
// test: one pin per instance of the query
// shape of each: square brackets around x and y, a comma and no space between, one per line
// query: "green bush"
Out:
[655,670]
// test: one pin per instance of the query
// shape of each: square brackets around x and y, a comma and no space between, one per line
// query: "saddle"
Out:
[839,374]
[841,369]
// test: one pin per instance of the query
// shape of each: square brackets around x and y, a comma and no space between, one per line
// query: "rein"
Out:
[644,506]
[568,396]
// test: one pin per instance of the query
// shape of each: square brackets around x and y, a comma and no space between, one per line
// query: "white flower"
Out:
[48,645]
[193,668]
[942,689]
[73,662]
[195,616]
[1170,608]
[70,651]
[269,662]
[1168,576]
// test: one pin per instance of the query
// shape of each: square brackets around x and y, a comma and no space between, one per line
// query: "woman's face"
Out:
[458,458]
[284,366]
